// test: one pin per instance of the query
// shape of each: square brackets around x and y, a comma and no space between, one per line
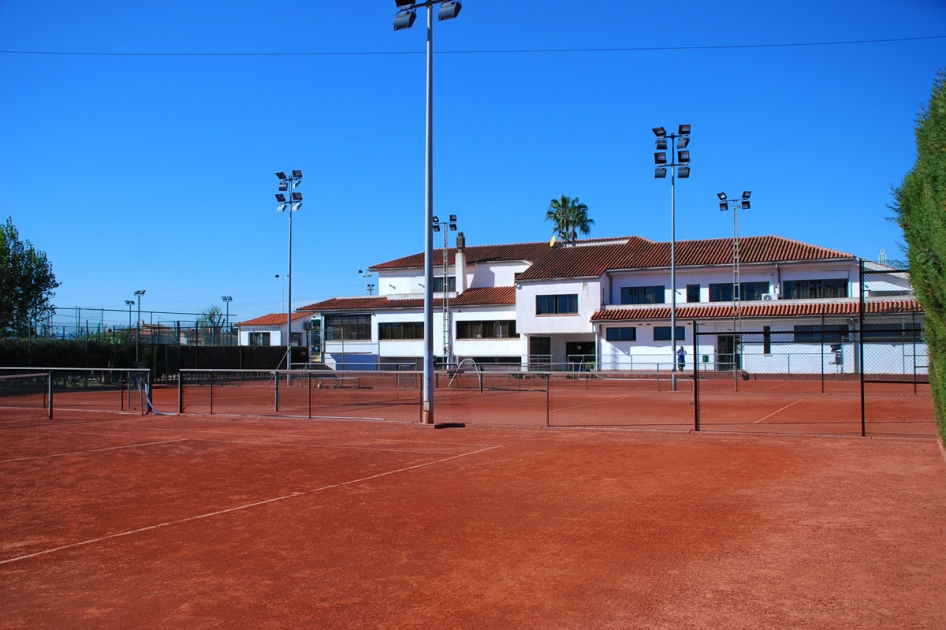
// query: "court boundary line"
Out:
[292,495]
[791,404]
[93,450]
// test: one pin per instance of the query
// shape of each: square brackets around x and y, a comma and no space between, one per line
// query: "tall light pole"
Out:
[129,303]
[226,300]
[447,226]
[681,158]
[140,294]
[366,274]
[288,183]
[743,203]
[404,19]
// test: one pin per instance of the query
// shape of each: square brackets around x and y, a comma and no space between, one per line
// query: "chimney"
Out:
[459,261]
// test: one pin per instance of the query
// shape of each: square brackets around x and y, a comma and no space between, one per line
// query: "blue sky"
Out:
[156,172]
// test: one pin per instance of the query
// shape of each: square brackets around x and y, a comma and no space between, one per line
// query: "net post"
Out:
[211,392]
[276,382]
[122,385]
[548,406]
[696,378]
[180,390]
[49,385]
[308,394]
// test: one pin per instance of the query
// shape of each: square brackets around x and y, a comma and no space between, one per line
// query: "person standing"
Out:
[681,359]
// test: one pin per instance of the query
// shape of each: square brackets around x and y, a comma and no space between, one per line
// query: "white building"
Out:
[605,304]
[270,330]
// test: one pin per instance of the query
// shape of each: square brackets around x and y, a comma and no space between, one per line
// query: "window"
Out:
[766,340]
[813,289]
[401,330]
[259,338]
[500,329]
[295,339]
[348,327]
[892,333]
[556,304]
[693,293]
[628,333]
[747,291]
[662,333]
[451,284]
[642,295]
[829,333]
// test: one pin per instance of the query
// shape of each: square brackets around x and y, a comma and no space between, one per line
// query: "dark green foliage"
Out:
[570,217]
[920,208]
[26,282]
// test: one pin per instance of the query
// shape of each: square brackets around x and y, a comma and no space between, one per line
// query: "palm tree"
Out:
[570,217]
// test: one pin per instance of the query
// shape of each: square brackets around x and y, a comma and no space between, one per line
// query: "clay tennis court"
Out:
[116,520]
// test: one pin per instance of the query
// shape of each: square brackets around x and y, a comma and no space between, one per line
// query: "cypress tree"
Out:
[920,207]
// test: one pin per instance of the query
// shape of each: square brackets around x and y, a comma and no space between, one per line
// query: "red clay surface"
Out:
[123,520]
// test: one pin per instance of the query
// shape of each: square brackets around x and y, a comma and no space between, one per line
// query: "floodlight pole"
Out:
[289,183]
[684,133]
[724,203]
[227,299]
[449,10]
[140,294]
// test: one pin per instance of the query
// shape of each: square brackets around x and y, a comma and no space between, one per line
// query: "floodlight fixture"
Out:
[746,194]
[297,196]
[227,298]
[684,130]
[404,19]
[722,196]
[403,3]
[660,158]
[280,175]
[296,206]
[436,219]
[660,132]
[660,172]
[683,156]
[683,142]
[283,185]
[745,204]
[661,144]
[129,302]
[281,198]
[723,206]
[453,218]
[684,172]
[436,227]
[297,174]
[141,292]
[449,10]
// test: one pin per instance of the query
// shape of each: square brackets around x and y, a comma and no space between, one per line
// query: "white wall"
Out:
[589,301]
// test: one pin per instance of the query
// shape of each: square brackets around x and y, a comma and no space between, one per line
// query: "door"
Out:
[728,356]
[579,354]
[540,353]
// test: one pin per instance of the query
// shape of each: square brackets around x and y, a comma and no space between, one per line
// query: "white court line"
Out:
[241,507]
[777,411]
[94,450]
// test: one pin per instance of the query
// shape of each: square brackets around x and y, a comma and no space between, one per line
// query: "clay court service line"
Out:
[776,411]
[94,450]
[292,495]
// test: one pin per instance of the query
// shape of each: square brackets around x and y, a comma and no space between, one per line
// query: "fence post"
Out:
[308,393]
[211,392]
[548,405]
[276,381]
[180,391]
[696,377]
[50,387]
[859,362]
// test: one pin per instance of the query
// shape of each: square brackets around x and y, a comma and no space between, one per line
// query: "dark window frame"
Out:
[400,331]
[816,288]
[691,288]
[621,333]
[681,333]
[651,294]
[560,304]
[486,329]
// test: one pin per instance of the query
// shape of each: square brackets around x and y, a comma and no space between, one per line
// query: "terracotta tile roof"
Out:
[471,297]
[780,308]
[474,254]
[588,259]
[273,319]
